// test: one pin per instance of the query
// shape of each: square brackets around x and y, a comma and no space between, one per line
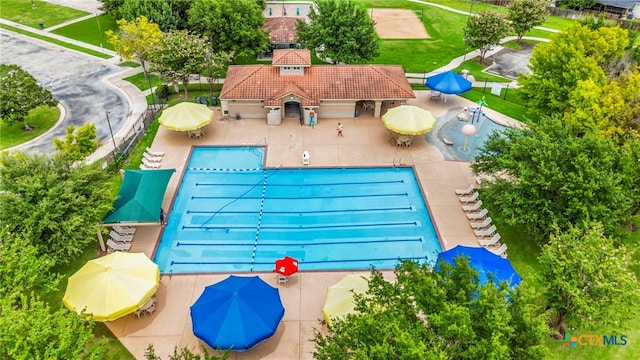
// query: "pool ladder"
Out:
[399,163]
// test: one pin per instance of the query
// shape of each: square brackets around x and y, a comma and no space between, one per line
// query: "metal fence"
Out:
[125,144]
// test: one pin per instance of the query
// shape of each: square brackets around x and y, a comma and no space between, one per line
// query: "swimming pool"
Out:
[232,215]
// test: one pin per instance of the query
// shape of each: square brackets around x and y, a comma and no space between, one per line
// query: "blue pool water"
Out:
[232,215]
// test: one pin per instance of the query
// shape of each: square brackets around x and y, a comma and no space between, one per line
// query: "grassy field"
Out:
[56,42]
[141,82]
[514,107]
[41,118]
[91,31]
[22,12]
[416,55]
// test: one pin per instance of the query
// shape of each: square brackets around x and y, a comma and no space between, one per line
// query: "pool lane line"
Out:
[255,244]
[225,169]
[234,199]
[301,198]
[303,227]
[300,262]
[386,182]
[404,208]
[264,242]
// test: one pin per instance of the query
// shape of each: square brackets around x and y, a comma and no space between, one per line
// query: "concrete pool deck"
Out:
[366,142]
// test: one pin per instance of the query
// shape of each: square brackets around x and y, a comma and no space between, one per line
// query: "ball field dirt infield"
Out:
[398,24]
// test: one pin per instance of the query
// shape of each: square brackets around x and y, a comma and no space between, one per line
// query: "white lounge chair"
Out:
[116,246]
[494,241]
[469,199]
[481,225]
[154,153]
[487,232]
[501,251]
[472,208]
[478,216]
[152,158]
[120,237]
[126,230]
[467,191]
[149,164]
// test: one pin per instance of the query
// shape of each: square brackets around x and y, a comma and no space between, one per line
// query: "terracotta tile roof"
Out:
[282,30]
[320,82]
[291,57]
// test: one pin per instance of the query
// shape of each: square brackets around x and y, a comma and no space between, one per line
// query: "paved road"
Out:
[75,79]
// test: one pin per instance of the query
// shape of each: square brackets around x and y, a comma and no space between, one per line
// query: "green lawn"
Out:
[91,31]
[42,118]
[141,82]
[21,12]
[513,107]
[57,42]
[135,157]
[417,56]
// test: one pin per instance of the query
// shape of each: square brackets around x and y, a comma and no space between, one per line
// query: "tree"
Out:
[525,14]
[19,94]
[112,7]
[234,26]
[157,11]
[78,143]
[578,54]
[30,329]
[186,354]
[577,4]
[485,30]
[587,278]
[214,66]
[556,175]
[180,56]
[53,202]
[612,110]
[443,314]
[24,269]
[340,31]
[135,39]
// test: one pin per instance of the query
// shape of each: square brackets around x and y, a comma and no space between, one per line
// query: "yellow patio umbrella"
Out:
[186,116]
[409,120]
[112,286]
[339,301]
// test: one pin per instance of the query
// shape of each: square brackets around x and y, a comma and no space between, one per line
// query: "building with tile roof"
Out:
[282,32]
[292,88]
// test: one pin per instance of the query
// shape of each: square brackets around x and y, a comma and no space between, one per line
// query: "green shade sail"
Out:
[140,196]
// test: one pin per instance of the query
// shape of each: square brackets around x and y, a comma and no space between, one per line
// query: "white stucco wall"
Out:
[336,109]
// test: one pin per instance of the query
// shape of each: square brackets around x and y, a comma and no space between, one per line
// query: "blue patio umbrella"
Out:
[448,82]
[237,313]
[484,262]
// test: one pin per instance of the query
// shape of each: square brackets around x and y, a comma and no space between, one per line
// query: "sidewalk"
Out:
[46,32]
